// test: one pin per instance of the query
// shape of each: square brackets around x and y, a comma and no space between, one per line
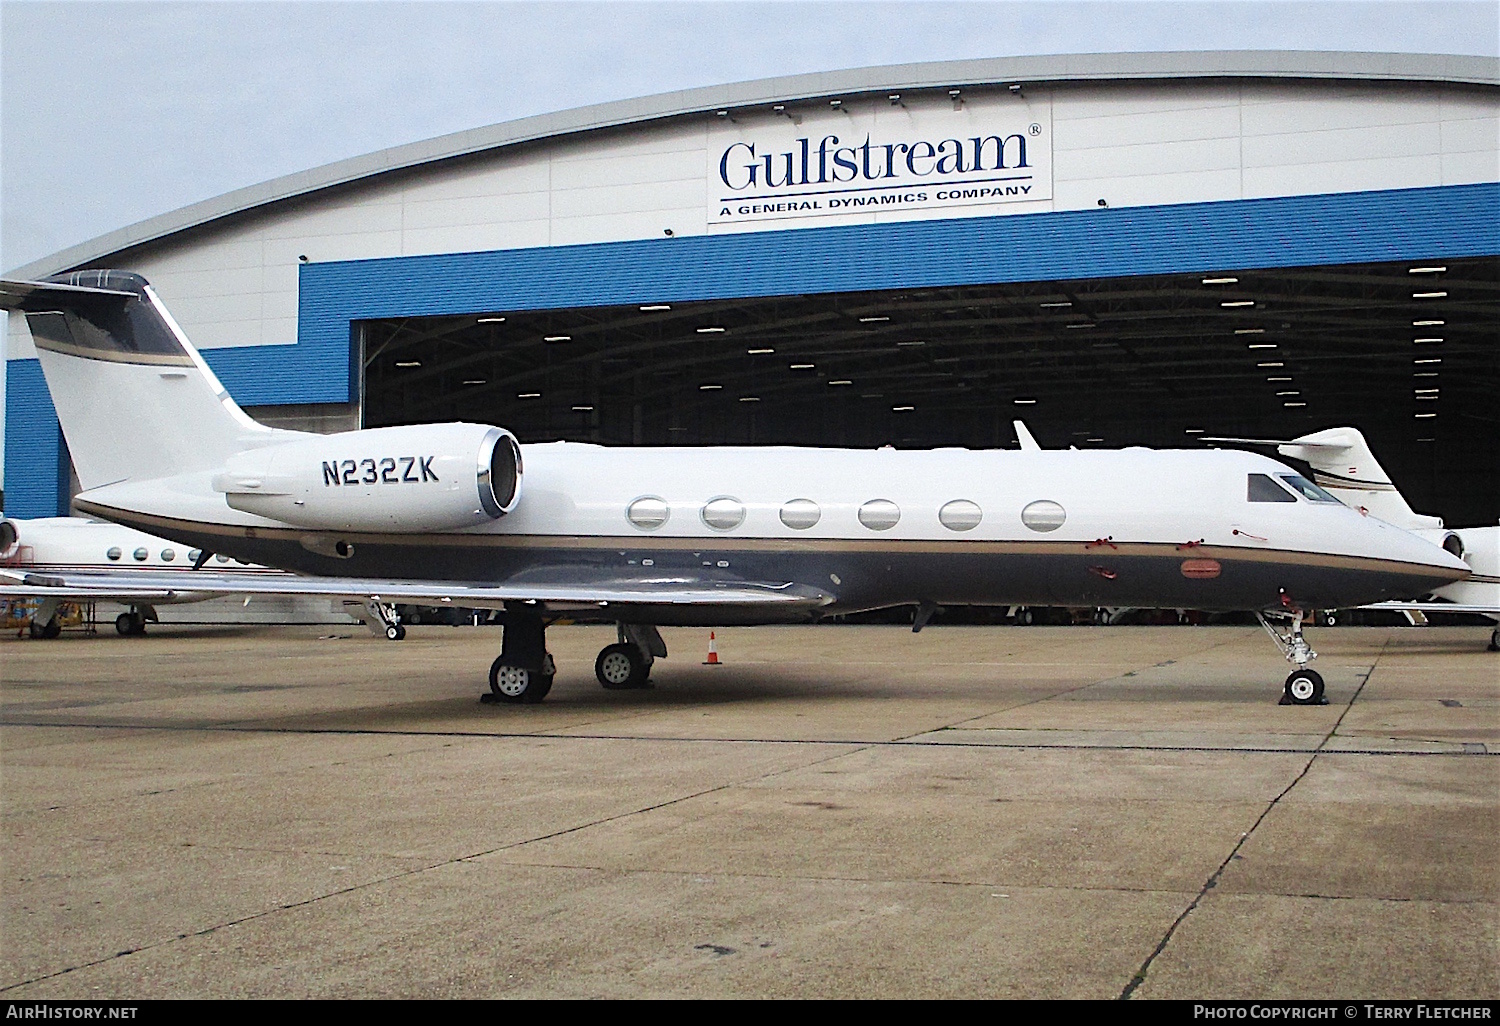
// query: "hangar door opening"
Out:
[1406,352]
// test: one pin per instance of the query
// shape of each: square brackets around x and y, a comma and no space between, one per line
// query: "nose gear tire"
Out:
[1304,687]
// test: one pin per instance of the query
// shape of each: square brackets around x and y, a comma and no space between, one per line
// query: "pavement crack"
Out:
[1213,879]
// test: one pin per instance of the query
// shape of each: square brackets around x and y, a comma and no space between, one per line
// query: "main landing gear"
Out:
[1495,640]
[627,663]
[523,671]
[132,624]
[1303,686]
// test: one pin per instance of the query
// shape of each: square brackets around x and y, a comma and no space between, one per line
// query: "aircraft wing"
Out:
[561,587]
[1435,607]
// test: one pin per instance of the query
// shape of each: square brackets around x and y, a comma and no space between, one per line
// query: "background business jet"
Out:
[1343,464]
[111,554]
[463,514]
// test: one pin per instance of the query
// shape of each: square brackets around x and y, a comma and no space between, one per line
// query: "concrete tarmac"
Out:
[835,812]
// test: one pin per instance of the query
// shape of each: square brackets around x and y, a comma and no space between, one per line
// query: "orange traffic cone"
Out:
[713,652]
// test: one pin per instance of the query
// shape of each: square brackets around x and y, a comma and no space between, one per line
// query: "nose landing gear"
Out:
[1303,686]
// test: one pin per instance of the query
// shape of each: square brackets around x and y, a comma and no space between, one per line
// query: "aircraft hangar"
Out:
[1118,249]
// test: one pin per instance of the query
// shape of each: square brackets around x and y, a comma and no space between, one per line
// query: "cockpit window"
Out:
[1263,489]
[1309,490]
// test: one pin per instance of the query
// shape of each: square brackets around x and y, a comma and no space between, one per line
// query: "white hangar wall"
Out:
[1128,143]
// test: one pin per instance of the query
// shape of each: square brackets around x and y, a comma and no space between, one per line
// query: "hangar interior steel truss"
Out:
[1408,352]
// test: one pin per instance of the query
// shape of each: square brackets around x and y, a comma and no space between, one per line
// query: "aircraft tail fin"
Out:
[135,399]
[1342,463]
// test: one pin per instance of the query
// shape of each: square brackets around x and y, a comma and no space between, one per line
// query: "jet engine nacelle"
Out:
[10,540]
[428,477]
[1447,539]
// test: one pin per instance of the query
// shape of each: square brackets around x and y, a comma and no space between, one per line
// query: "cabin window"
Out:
[1043,515]
[140,555]
[648,512]
[880,514]
[194,554]
[222,559]
[960,515]
[114,553]
[1309,490]
[723,514]
[1263,489]
[800,514]
[167,555]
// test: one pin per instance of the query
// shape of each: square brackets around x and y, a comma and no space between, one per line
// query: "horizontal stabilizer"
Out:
[1271,441]
[38,295]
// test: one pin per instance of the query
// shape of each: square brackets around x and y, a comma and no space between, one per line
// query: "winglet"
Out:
[1028,444]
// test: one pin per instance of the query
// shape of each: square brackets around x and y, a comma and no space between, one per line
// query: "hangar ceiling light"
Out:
[491,320]
[1428,295]
[1426,270]
[1219,281]
[1238,302]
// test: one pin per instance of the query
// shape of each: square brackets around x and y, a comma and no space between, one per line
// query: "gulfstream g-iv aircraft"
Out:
[462,513]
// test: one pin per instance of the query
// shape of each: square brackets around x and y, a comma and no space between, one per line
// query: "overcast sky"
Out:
[114,112]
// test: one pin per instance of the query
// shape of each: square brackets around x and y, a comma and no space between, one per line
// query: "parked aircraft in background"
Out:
[1343,463]
[53,545]
[440,513]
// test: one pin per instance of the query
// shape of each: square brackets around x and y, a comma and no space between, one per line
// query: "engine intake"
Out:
[428,477]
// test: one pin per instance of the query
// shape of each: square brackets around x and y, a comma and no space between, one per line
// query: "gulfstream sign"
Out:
[845,164]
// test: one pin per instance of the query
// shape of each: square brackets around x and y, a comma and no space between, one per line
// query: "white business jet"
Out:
[441,513]
[1343,463]
[111,553]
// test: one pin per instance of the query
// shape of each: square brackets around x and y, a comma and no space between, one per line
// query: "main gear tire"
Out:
[621,667]
[518,685]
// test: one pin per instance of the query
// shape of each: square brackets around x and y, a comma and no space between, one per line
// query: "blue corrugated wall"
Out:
[1299,231]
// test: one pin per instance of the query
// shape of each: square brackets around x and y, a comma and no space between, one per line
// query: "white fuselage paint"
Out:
[1132,496]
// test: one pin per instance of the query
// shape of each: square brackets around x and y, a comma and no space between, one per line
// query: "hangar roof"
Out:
[1059,68]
